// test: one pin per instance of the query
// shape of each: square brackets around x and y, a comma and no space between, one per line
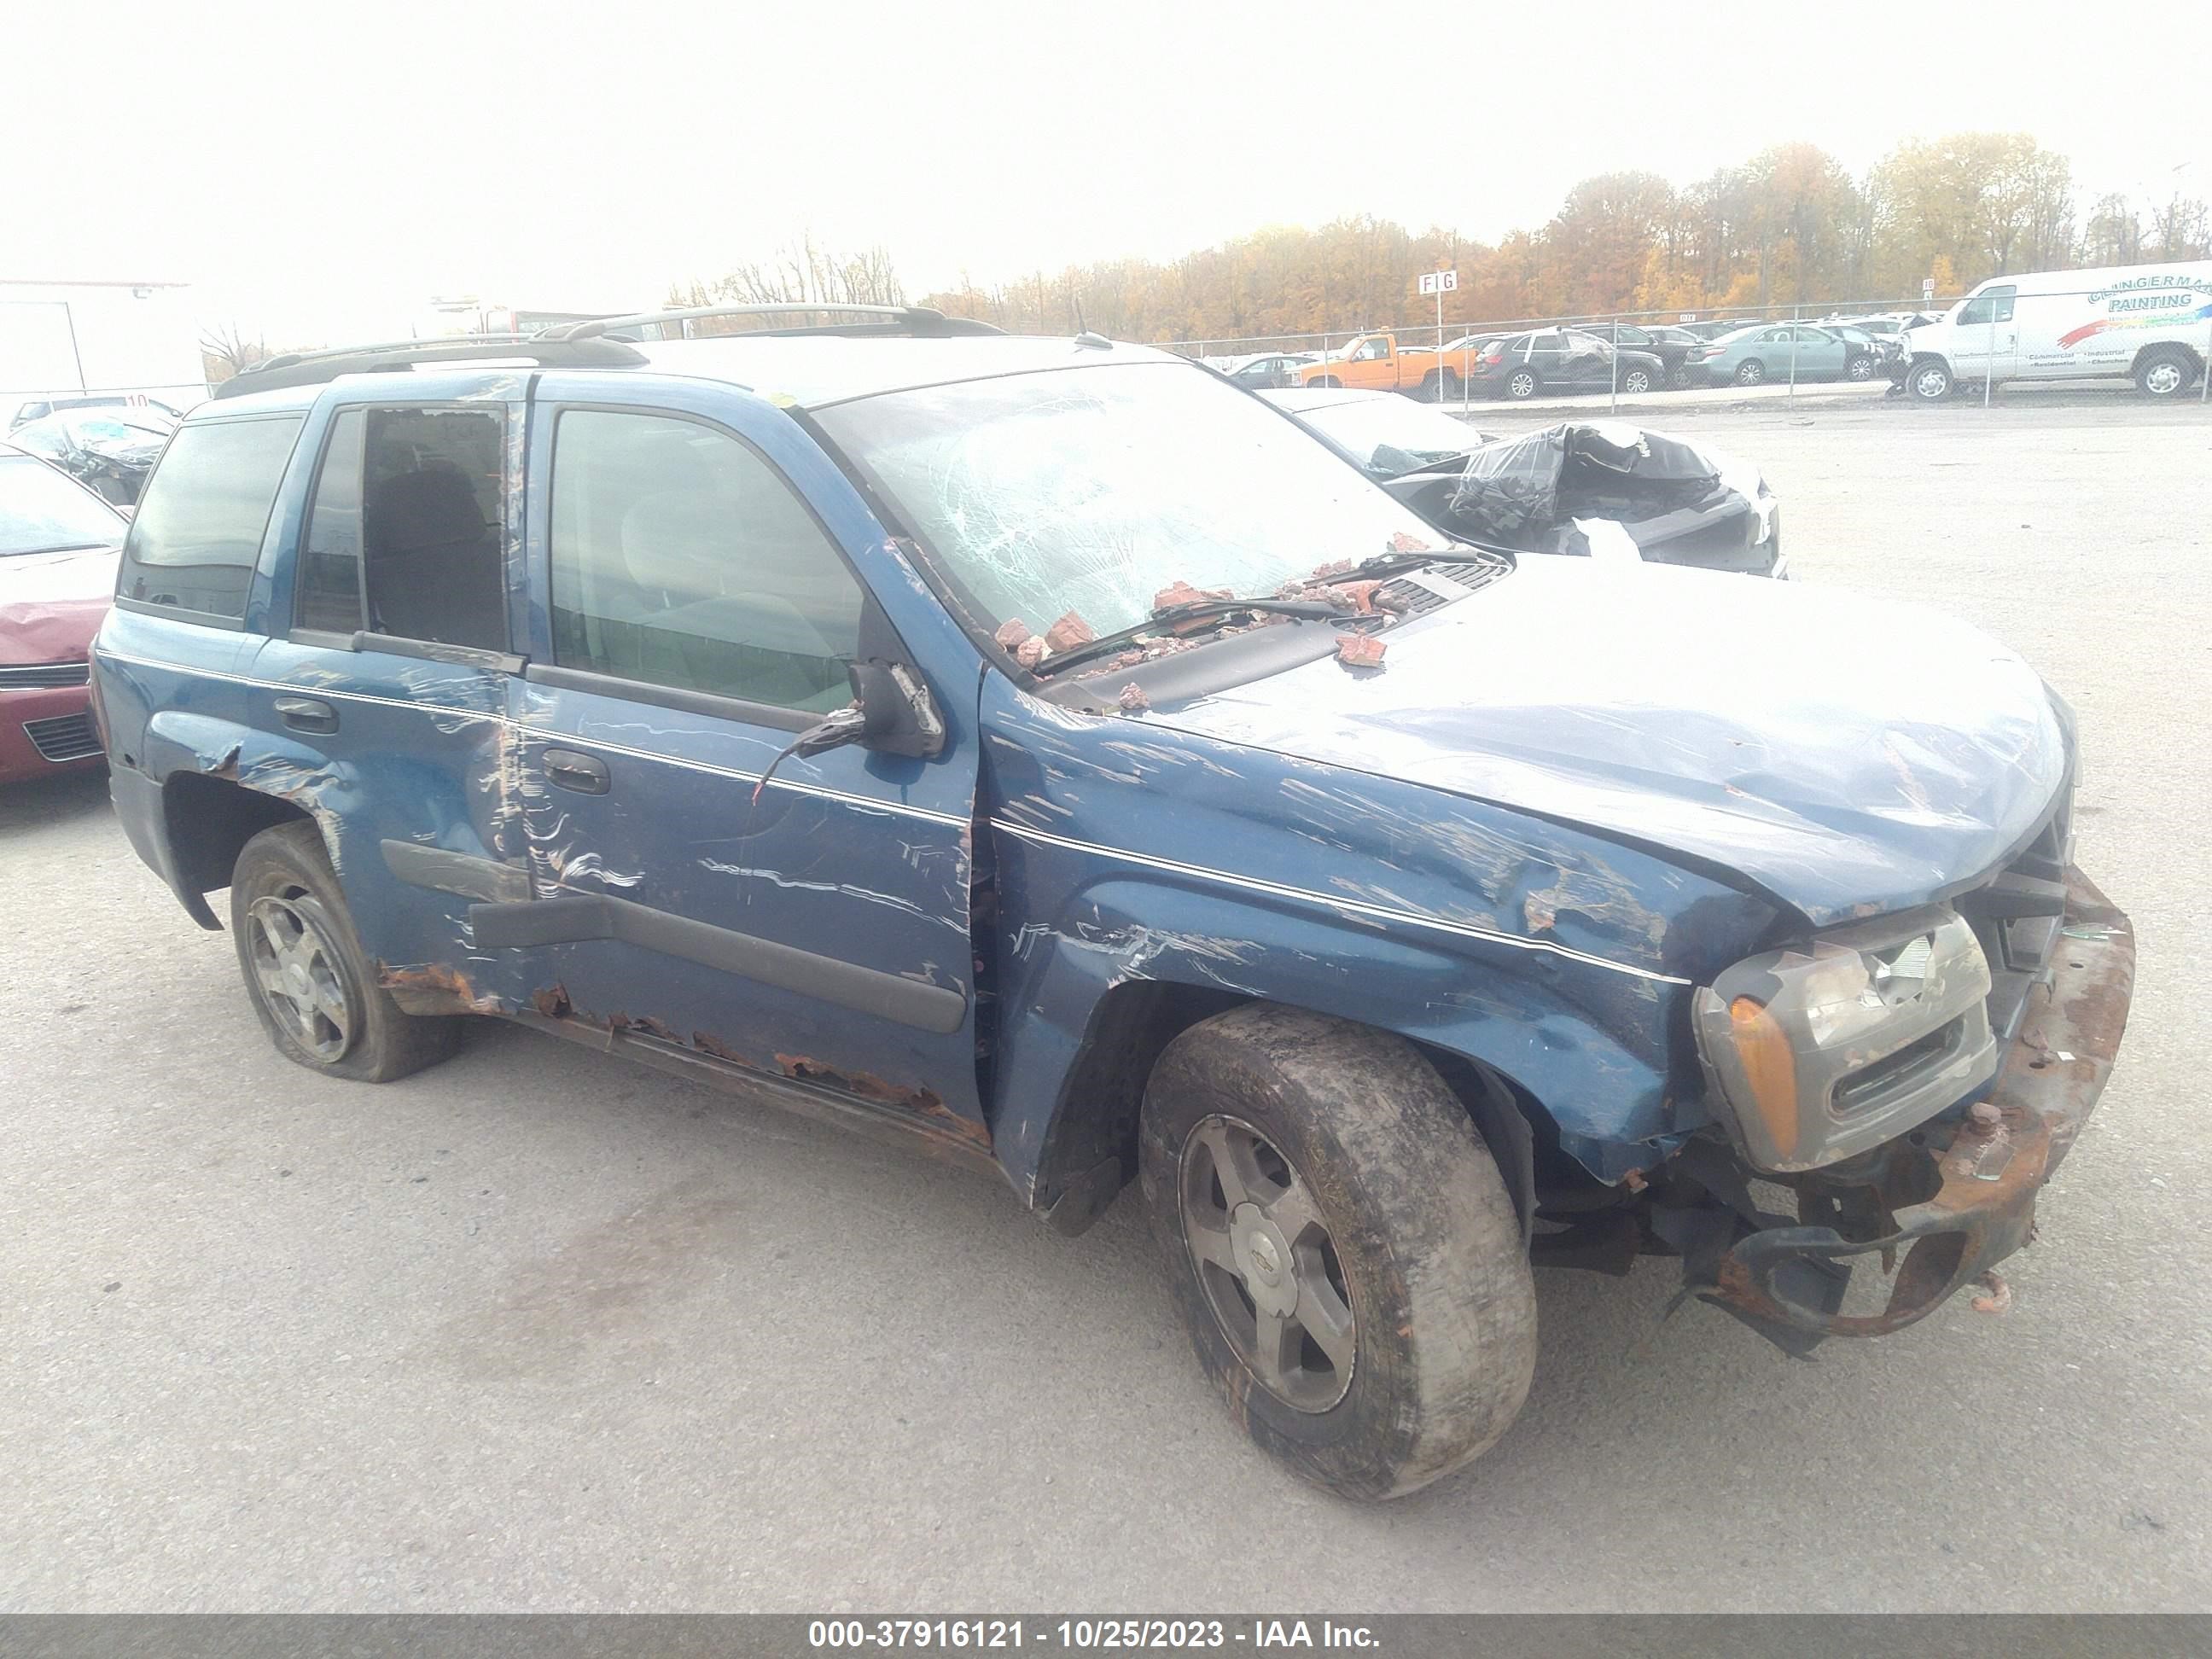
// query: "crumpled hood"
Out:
[51,604]
[1852,755]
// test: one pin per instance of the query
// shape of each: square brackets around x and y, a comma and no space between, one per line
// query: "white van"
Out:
[2152,324]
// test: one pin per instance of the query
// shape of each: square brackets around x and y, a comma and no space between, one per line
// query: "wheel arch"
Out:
[218,786]
[1527,1062]
[2180,348]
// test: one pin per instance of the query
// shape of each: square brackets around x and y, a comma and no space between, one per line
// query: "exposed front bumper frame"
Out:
[1984,1209]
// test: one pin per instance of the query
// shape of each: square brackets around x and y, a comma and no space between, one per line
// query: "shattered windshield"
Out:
[42,512]
[1094,489]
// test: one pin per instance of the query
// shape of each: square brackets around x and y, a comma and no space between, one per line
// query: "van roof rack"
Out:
[915,321]
[397,356]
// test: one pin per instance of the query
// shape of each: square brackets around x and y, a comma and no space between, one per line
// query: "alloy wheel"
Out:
[1267,1265]
[298,973]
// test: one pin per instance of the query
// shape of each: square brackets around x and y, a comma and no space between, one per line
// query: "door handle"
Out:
[307,713]
[567,769]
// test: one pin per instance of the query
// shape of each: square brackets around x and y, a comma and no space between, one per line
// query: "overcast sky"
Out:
[319,169]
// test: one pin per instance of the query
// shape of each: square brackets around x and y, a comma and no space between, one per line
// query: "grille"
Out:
[1420,600]
[43,675]
[63,737]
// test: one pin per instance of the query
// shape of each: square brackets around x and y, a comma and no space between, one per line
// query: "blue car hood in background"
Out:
[1849,754]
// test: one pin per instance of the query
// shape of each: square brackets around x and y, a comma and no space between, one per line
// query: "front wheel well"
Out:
[1090,1151]
[209,820]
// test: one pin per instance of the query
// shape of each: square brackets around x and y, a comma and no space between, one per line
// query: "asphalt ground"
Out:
[538,1330]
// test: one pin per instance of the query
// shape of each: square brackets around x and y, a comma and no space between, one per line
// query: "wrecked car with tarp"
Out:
[1602,489]
[1045,754]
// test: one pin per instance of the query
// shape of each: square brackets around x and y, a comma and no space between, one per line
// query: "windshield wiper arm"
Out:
[1163,620]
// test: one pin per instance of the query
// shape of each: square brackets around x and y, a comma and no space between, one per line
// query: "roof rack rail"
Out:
[314,367]
[916,320]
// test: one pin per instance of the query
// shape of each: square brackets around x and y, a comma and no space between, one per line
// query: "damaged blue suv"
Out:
[1047,753]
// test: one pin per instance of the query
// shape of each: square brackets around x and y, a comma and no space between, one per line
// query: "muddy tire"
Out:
[1344,1250]
[306,975]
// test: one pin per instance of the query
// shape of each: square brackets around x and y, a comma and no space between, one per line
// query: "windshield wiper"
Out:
[1164,619]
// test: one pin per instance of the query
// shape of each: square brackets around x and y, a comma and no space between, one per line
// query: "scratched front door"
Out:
[697,616]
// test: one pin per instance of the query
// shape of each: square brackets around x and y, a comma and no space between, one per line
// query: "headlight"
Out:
[1821,1052]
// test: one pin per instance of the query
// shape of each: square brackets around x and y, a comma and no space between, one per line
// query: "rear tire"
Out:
[1522,385]
[1750,372]
[309,981]
[1344,1250]
[2165,372]
[1325,380]
[1440,386]
[1860,369]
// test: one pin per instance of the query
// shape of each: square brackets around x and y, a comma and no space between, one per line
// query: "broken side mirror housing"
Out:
[892,712]
[897,714]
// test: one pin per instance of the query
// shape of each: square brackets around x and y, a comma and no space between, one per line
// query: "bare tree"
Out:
[229,350]
[799,273]
[2183,227]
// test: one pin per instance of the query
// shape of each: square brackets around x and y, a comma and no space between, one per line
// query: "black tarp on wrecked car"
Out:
[1605,489]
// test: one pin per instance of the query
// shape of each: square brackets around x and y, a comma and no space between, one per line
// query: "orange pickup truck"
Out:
[1375,362]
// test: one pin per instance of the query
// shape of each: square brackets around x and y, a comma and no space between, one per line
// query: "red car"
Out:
[58,543]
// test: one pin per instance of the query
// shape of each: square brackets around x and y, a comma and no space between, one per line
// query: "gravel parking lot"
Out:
[537,1330]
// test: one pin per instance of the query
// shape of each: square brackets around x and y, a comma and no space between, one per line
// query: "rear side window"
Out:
[198,533]
[681,559]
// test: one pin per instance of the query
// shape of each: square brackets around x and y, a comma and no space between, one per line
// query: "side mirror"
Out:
[892,712]
[897,715]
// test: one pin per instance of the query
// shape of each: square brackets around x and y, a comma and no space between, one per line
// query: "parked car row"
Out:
[1633,359]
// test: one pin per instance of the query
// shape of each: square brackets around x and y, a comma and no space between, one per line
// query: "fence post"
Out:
[1793,350]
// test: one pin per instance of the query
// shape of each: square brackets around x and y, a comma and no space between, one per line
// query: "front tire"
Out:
[1750,372]
[1930,382]
[1344,1250]
[305,973]
[2164,374]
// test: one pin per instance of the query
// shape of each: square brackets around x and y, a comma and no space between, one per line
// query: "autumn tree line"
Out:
[1791,226]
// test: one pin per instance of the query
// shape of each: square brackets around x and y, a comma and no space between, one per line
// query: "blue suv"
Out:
[1047,753]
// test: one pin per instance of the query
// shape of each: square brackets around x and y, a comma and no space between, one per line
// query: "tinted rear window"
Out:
[198,533]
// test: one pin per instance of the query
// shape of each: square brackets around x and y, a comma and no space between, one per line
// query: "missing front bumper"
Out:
[1955,1196]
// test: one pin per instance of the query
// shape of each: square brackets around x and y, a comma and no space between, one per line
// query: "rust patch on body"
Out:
[923,1102]
[436,983]
[552,1001]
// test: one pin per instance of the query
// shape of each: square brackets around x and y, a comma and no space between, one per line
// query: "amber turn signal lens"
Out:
[1769,1068]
